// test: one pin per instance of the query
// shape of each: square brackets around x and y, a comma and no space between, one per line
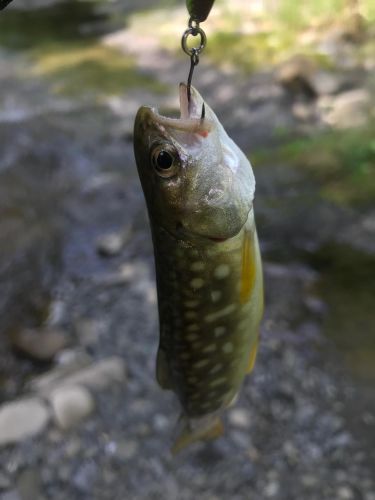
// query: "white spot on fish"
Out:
[210,348]
[196,283]
[197,266]
[193,327]
[192,336]
[222,271]
[216,295]
[218,381]
[219,314]
[202,363]
[216,368]
[228,347]
[220,330]
[191,304]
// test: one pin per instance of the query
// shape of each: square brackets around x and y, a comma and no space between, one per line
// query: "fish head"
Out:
[197,183]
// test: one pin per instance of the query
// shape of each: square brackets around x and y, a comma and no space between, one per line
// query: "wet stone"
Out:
[85,476]
[70,405]
[39,345]
[111,244]
[239,417]
[22,419]
[29,484]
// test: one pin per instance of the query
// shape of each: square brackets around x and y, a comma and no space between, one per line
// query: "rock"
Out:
[349,109]
[22,419]
[326,83]
[272,489]
[48,381]
[353,28]
[11,495]
[70,405]
[39,345]
[111,244]
[85,476]
[345,493]
[96,375]
[296,74]
[99,374]
[4,482]
[89,330]
[239,417]
[29,484]
[126,450]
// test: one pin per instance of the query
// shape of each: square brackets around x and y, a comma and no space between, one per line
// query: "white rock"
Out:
[70,405]
[22,419]
[96,375]
[239,417]
[348,109]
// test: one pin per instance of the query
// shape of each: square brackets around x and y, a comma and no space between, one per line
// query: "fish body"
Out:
[199,189]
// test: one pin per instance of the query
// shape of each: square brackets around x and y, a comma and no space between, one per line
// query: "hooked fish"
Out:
[199,190]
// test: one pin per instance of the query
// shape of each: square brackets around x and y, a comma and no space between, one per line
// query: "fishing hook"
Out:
[193,30]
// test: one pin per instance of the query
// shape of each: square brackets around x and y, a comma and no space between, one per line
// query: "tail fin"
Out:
[204,429]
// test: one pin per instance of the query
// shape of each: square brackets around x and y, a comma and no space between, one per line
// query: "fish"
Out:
[199,190]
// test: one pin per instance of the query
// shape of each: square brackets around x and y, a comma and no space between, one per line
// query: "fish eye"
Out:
[165,160]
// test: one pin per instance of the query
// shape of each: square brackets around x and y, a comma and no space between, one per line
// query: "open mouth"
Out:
[192,114]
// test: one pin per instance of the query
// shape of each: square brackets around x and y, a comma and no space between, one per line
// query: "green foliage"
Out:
[342,161]
[347,285]
[29,29]
[63,42]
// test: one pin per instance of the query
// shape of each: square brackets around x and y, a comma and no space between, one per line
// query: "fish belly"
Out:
[210,305]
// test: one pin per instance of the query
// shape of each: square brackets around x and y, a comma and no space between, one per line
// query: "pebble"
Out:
[39,345]
[97,375]
[85,476]
[22,419]
[239,417]
[11,495]
[111,244]
[345,493]
[89,330]
[348,109]
[4,481]
[29,484]
[271,489]
[71,405]
[126,450]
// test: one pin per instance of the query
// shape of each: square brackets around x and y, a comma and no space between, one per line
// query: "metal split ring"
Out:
[193,31]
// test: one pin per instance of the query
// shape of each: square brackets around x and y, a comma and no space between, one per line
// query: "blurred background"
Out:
[81,415]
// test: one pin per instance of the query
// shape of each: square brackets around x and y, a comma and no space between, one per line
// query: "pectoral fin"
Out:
[162,370]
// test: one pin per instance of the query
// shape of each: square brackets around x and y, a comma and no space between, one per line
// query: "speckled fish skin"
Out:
[208,265]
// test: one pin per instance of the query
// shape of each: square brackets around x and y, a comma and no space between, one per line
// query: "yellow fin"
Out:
[248,267]
[162,370]
[253,357]
[209,429]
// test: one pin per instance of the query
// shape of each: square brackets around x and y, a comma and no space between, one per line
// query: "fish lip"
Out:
[190,119]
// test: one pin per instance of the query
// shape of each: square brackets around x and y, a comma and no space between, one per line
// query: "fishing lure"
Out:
[199,190]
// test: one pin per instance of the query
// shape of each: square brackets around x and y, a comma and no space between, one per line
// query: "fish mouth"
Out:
[182,233]
[192,114]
